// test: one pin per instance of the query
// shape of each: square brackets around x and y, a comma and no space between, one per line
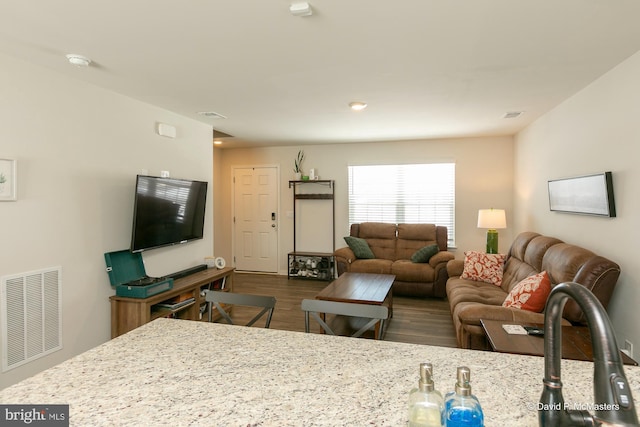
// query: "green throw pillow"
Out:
[360,247]
[425,253]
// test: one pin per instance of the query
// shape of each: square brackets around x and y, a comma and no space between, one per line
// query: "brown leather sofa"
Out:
[393,245]
[529,254]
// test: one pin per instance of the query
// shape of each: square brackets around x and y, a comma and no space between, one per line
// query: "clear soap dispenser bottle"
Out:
[425,402]
[461,408]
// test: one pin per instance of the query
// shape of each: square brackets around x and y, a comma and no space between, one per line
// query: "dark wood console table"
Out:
[576,341]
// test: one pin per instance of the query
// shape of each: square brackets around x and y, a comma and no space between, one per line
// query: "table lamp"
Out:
[492,219]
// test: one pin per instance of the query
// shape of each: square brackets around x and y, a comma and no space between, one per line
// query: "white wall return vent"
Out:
[30,316]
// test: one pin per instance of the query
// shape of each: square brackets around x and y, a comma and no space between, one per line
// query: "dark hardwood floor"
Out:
[415,320]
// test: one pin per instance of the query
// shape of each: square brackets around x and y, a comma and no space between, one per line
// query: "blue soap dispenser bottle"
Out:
[426,404]
[461,408]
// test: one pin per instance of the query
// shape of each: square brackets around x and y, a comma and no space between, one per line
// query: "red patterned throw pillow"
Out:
[530,293]
[483,267]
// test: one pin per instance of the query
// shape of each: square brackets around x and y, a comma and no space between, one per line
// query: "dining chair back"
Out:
[374,314]
[216,298]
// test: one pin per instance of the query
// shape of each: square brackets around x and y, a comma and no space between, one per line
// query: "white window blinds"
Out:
[418,193]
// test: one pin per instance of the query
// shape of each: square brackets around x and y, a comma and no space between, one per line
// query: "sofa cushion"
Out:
[375,266]
[530,293]
[360,247]
[461,290]
[568,263]
[408,271]
[412,237]
[483,267]
[417,232]
[377,230]
[381,238]
[425,253]
[525,258]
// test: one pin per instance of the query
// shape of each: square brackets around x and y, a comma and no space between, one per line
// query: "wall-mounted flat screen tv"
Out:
[167,212]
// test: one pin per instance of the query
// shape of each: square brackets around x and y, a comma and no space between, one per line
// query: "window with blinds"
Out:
[418,193]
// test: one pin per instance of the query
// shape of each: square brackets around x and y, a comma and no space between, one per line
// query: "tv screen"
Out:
[167,211]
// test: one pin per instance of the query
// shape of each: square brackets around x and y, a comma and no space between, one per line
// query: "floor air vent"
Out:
[31,316]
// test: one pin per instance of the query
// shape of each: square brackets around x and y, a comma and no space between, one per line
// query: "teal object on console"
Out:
[127,275]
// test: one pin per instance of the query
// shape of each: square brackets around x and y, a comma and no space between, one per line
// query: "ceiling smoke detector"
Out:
[78,60]
[301,8]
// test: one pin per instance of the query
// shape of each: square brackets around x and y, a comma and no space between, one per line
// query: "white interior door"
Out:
[256,219]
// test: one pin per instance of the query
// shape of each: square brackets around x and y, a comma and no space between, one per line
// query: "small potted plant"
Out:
[297,169]
[3,179]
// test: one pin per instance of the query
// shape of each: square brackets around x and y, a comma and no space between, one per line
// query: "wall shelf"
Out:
[314,196]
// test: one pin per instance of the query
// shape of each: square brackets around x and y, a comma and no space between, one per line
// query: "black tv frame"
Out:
[162,217]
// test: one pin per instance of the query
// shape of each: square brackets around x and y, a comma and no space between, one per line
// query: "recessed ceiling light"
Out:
[217,142]
[357,105]
[512,114]
[211,114]
[78,60]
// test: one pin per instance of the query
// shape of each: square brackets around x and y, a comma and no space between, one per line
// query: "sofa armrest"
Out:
[455,267]
[345,253]
[440,257]
[344,257]
[439,264]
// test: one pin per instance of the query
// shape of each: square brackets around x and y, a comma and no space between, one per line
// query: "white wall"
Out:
[484,179]
[79,149]
[594,131]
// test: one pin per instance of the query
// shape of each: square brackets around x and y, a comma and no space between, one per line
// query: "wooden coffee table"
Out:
[576,341]
[361,288]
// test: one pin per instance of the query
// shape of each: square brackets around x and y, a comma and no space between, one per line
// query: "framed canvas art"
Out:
[8,180]
[589,195]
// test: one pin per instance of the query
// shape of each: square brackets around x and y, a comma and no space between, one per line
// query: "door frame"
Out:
[278,215]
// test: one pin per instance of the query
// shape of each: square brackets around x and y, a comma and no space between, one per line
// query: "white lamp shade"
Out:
[492,218]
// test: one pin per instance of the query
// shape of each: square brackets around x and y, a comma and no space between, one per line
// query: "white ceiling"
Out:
[427,68]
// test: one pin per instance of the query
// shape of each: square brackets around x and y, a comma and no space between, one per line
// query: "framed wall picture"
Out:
[8,180]
[589,195]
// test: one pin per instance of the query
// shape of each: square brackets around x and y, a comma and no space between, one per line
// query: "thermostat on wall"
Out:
[164,129]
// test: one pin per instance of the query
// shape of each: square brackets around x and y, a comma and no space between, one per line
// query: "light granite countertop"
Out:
[186,373]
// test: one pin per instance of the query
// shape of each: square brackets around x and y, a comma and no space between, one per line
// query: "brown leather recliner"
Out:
[529,254]
[393,245]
